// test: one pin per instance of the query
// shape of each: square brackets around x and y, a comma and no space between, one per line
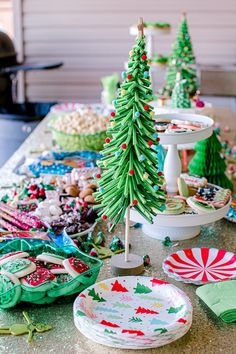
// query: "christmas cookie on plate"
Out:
[11,256]
[183,187]
[174,206]
[50,258]
[64,286]
[194,181]
[75,266]
[200,206]
[19,267]
[10,290]
[40,280]
[57,269]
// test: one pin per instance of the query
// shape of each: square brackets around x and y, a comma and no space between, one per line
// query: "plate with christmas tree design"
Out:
[133,312]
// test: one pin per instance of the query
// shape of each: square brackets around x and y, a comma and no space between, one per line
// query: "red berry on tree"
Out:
[159,173]
[144,57]
[158,139]
[146,107]
[113,114]
[107,140]
[129,76]
[131,172]
[104,217]
[135,202]
[98,175]
[150,142]
[123,146]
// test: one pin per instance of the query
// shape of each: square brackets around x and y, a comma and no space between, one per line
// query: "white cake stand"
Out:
[178,227]
[172,165]
[183,226]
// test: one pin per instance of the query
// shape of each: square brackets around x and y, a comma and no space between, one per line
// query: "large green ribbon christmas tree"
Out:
[130,166]
[182,60]
[207,162]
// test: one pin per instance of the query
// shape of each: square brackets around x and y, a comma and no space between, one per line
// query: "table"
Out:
[208,335]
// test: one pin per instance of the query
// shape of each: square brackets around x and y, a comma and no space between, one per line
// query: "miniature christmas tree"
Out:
[181,60]
[180,96]
[207,162]
[131,176]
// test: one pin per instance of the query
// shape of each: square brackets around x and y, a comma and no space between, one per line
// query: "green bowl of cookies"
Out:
[40,274]
[84,129]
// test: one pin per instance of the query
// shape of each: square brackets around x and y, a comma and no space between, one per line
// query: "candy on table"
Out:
[6,225]
[167,242]
[48,210]
[33,221]
[146,260]
[93,253]
[99,239]
[116,244]
[20,225]
[29,328]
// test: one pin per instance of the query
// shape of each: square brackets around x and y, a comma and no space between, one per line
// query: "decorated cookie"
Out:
[194,181]
[57,269]
[19,267]
[200,206]
[50,258]
[161,126]
[214,195]
[10,290]
[183,188]
[174,206]
[65,286]
[39,264]
[40,279]
[11,256]
[74,266]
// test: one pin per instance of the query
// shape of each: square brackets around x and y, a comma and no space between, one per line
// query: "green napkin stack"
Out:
[221,298]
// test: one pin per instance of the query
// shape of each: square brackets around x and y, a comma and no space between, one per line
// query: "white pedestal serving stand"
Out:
[183,226]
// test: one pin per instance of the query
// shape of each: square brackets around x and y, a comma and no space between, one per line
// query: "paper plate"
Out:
[200,265]
[133,312]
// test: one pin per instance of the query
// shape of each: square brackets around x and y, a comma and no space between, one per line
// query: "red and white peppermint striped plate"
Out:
[201,265]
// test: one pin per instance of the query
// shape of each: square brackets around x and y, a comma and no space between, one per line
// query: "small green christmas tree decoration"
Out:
[180,97]
[131,176]
[182,60]
[95,296]
[207,162]
[142,289]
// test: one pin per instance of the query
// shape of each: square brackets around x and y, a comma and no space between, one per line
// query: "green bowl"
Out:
[37,295]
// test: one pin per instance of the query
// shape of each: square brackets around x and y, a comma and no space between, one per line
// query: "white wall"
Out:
[92,38]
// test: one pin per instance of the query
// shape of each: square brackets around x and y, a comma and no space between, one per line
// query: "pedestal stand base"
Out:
[134,266]
[175,233]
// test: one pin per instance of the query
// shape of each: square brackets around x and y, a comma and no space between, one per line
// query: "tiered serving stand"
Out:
[183,226]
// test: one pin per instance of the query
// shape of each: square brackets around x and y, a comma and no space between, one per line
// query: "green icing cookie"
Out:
[10,290]
[16,266]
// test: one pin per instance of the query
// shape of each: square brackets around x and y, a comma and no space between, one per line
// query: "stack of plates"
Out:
[201,265]
[133,312]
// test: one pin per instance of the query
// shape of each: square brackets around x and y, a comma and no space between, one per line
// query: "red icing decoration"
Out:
[159,173]
[133,331]
[181,320]
[131,172]
[105,323]
[107,140]
[129,76]
[40,276]
[135,202]
[98,175]
[9,254]
[118,287]
[77,265]
[146,107]
[113,114]
[39,264]
[147,311]
[200,104]
[158,282]
[150,142]
[123,146]
[104,217]
[144,57]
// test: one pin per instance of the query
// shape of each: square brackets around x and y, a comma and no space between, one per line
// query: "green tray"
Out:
[20,293]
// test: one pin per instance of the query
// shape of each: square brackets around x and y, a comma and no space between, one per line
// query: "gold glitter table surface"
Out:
[208,334]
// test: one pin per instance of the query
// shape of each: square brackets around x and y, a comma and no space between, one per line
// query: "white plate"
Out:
[133,312]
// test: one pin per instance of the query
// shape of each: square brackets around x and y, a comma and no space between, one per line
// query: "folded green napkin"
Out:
[221,298]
